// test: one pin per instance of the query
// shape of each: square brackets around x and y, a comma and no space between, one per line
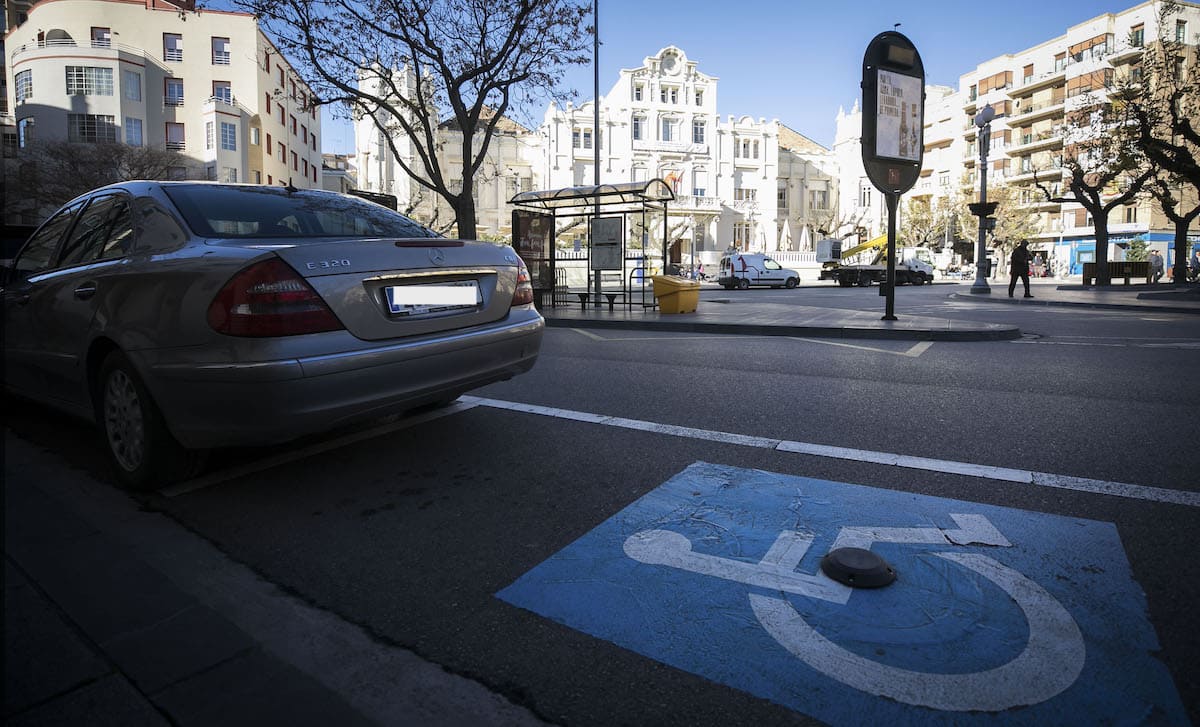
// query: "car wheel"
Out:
[791,283]
[743,284]
[142,451]
[864,280]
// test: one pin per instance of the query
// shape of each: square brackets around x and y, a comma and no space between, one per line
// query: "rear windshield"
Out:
[266,212]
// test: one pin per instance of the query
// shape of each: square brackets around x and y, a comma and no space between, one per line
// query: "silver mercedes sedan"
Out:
[182,316]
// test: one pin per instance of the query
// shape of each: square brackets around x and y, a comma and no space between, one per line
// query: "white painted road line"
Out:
[1006,474]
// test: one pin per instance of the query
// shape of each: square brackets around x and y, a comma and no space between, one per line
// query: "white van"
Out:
[743,269]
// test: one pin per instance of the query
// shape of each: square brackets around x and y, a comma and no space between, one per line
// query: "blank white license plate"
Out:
[415,300]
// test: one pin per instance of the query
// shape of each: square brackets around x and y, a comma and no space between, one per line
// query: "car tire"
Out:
[143,453]
[743,284]
[791,283]
[919,279]
[864,280]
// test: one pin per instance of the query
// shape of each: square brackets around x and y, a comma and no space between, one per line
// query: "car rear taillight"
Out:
[523,295]
[270,299]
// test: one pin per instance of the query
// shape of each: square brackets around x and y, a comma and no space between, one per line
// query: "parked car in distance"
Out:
[743,269]
[182,316]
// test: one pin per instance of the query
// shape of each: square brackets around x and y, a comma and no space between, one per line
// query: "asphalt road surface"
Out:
[499,538]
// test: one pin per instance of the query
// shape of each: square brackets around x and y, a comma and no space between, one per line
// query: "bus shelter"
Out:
[593,243]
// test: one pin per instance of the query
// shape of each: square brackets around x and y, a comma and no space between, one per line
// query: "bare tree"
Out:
[919,223]
[401,62]
[50,173]
[1104,170]
[1157,104]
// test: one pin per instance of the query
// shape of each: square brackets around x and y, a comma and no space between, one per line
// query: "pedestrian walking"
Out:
[1156,266]
[1019,268]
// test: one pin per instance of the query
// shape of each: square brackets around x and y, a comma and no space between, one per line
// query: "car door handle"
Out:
[85,291]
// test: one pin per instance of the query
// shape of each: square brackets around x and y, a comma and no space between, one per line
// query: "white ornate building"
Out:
[737,180]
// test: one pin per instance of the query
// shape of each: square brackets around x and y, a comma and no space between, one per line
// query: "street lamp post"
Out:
[983,208]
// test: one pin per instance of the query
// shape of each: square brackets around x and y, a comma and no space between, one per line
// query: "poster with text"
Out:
[899,117]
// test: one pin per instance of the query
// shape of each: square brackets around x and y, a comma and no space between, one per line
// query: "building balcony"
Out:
[692,203]
[1026,113]
[1029,143]
[57,48]
[1030,84]
[673,147]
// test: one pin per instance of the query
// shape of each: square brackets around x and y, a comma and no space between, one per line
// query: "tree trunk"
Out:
[1179,274]
[464,215]
[1101,226]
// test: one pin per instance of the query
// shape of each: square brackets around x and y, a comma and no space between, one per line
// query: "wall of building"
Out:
[151,71]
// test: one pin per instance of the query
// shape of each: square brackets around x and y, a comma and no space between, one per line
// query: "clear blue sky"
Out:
[799,61]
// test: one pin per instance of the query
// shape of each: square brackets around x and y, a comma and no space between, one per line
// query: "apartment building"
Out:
[1033,92]
[205,83]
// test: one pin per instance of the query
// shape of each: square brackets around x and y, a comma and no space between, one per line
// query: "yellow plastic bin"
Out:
[676,294]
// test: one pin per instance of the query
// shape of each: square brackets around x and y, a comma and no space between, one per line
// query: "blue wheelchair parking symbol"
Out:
[998,614]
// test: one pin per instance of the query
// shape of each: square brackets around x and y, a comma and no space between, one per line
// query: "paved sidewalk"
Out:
[718,312]
[115,615]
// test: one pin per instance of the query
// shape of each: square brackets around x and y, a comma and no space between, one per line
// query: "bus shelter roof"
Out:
[652,192]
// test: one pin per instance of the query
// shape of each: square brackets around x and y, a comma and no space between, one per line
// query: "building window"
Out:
[258,176]
[741,235]
[101,37]
[268,104]
[944,179]
[864,196]
[1130,214]
[24,81]
[175,136]
[91,128]
[699,182]
[743,194]
[295,163]
[208,135]
[639,128]
[269,150]
[304,167]
[1180,31]
[223,90]
[669,94]
[174,91]
[132,83]
[229,174]
[228,136]
[255,135]
[668,130]
[781,195]
[303,133]
[818,199]
[293,119]
[25,135]
[699,96]
[172,47]
[89,81]
[220,51]
[133,131]
[281,78]
[282,121]
[639,91]
[283,153]
[697,131]
[1137,36]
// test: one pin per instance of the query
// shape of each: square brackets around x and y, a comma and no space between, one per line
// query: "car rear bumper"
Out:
[254,403]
